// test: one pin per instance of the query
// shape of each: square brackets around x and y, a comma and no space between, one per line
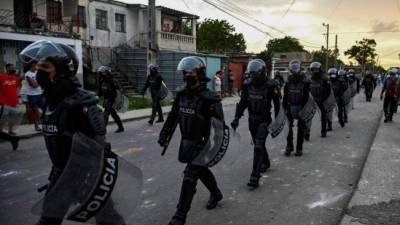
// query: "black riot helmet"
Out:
[315,67]
[256,70]
[341,73]
[332,72]
[393,72]
[62,56]
[192,65]
[153,68]
[351,73]
[295,67]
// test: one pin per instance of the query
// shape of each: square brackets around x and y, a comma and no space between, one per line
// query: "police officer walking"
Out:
[192,110]
[108,88]
[295,97]
[154,81]
[257,97]
[320,90]
[390,90]
[369,83]
[338,87]
[67,110]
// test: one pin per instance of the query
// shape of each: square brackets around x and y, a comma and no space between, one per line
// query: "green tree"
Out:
[218,36]
[320,56]
[363,52]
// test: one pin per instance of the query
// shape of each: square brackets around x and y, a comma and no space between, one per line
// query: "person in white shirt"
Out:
[34,94]
[217,83]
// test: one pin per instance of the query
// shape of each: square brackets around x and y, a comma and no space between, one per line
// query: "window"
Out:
[120,22]
[80,18]
[101,19]
[54,14]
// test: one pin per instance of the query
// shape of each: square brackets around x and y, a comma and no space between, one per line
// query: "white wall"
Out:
[110,38]
[77,44]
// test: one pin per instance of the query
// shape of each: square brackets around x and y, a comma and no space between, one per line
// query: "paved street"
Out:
[309,190]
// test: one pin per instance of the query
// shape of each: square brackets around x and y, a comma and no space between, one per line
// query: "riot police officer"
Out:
[108,88]
[279,78]
[295,97]
[192,110]
[390,90]
[257,96]
[339,87]
[320,90]
[68,109]
[369,83]
[154,81]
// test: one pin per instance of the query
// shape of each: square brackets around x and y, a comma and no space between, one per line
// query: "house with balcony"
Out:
[25,21]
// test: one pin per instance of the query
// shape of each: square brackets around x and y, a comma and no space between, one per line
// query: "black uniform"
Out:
[154,81]
[279,78]
[369,83]
[108,88]
[192,111]
[339,86]
[296,93]
[320,90]
[390,101]
[258,100]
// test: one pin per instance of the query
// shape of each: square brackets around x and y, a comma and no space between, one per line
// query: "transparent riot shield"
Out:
[164,93]
[330,103]
[121,103]
[308,111]
[276,127]
[10,117]
[216,146]
[347,96]
[94,187]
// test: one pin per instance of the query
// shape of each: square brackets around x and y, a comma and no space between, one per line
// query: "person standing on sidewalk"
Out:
[390,90]
[108,88]
[193,109]
[34,94]
[295,97]
[257,97]
[8,103]
[154,81]
[218,83]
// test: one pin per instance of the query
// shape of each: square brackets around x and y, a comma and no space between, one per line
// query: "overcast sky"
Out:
[304,20]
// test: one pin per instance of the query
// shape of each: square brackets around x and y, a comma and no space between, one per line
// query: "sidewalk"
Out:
[28,131]
[376,199]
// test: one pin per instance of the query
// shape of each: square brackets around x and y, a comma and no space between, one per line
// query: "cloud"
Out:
[385,26]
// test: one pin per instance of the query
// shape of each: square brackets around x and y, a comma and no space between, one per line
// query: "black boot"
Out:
[266,164]
[323,134]
[120,129]
[299,151]
[185,200]
[12,139]
[257,161]
[289,148]
[151,121]
[14,143]
[208,179]
[160,120]
[329,126]
[307,136]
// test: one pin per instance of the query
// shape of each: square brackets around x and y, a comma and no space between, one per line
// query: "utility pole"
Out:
[336,51]
[327,47]
[152,35]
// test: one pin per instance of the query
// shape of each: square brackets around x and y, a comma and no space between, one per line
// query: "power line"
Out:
[368,32]
[187,6]
[243,21]
[287,10]
[334,10]
[233,8]
[391,53]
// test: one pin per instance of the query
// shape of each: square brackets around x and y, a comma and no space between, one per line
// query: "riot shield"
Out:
[91,186]
[121,103]
[308,111]
[347,96]
[276,127]
[10,116]
[353,89]
[330,103]
[216,146]
[165,93]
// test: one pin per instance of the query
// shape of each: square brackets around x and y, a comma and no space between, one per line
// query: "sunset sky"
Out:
[351,20]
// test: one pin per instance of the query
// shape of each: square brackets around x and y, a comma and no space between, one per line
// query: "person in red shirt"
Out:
[8,103]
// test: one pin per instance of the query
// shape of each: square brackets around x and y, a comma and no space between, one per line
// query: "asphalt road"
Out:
[309,190]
